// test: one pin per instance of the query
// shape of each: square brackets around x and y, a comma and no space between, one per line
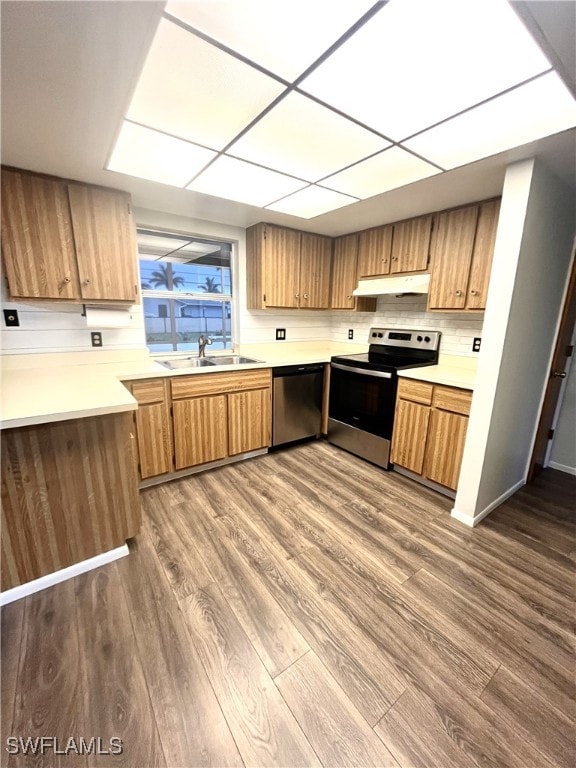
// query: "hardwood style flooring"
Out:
[305,608]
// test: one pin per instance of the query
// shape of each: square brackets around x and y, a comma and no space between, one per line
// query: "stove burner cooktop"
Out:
[392,350]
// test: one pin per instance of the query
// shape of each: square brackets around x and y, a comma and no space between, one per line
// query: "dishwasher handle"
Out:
[297,370]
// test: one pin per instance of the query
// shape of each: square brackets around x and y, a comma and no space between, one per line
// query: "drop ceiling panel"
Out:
[417,63]
[303,138]
[193,90]
[387,170]
[148,154]
[284,36]
[539,108]
[244,182]
[311,202]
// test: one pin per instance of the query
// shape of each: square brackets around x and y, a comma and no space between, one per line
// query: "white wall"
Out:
[531,260]
[54,327]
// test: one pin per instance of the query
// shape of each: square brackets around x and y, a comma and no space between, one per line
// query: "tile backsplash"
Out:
[458,329]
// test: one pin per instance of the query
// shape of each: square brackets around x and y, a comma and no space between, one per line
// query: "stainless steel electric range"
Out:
[363,390]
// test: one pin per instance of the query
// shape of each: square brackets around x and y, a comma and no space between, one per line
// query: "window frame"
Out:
[162,294]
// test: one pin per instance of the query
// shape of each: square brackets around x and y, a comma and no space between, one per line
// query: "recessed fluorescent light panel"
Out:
[394,92]
[154,156]
[244,182]
[310,202]
[539,108]
[192,90]
[418,62]
[387,170]
[284,36]
[306,139]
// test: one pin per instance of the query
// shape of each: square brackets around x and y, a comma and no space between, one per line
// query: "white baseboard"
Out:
[16,593]
[562,467]
[471,522]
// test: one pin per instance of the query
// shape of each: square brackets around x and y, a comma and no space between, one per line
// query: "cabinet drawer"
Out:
[219,383]
[450,399]
[149,391]
[417,391]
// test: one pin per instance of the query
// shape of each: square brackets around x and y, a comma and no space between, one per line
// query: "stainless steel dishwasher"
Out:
[297,402]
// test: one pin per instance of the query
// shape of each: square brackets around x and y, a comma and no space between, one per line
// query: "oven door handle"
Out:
[363,371]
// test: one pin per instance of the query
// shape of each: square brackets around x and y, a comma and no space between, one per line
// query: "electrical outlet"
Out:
[350,333]
[280,334]
[96,338]
[476,344]
[11,318]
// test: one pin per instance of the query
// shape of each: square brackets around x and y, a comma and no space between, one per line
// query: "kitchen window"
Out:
[186,284]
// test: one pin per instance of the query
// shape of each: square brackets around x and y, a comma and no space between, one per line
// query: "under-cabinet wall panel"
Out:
[69,492]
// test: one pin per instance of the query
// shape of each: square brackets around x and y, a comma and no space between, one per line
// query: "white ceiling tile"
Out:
[148,154]
[388,170]
[244,182]
[310,202]
[300,137]
[534,110]
[193,90]
[418,62]
[284,36]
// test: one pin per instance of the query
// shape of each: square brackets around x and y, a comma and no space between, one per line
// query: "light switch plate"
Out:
[280,334]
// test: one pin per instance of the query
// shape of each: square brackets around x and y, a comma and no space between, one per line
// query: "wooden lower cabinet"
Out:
[187,421]
[153,427]
[409,439]
[249,421]
[69,493]
[430,426]
[200,430]
[445,446]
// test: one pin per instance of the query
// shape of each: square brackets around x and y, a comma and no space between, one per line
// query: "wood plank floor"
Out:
[305,608]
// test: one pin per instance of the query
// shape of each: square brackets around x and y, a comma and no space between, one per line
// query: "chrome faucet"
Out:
[202,341]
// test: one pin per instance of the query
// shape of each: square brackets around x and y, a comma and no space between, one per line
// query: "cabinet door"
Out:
[452,246]
[105,239]
[482,254]
[344,262]
[411,245]
[37,239]
[445,447]
[374,251]
[315,263]
[200,430]
[249,421]
[281,250]
[409,436]
[153,427]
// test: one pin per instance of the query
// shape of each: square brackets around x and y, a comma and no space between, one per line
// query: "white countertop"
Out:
[38,389]
[452,370]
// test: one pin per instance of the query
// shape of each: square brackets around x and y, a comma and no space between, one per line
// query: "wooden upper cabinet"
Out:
[374,246]
[482,254]
[37,237]
[315,264]
[65,240]
[411,245]
[105,239]
[344,262]
[452,246]
[287,268]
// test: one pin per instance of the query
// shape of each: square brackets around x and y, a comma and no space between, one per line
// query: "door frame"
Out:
[544,431]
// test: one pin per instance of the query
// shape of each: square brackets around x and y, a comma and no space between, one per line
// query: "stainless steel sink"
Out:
[178,363]
[186,362]
[232,360]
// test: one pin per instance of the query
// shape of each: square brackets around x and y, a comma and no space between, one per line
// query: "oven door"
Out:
[363,399]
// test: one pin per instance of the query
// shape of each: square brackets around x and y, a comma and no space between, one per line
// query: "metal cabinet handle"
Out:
[559,374]
[348,297]
[87,281]
[296,295]
[66,279]
[475,293]
[305,295]
[458,293]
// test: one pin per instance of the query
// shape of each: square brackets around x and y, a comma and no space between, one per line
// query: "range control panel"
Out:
[403,338]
